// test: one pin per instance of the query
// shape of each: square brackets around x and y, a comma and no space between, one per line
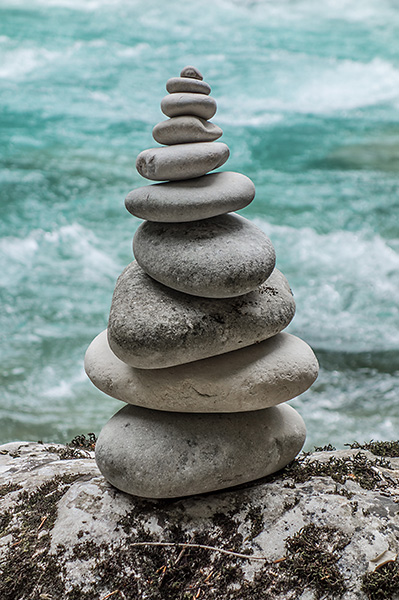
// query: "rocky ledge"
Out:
[326,526]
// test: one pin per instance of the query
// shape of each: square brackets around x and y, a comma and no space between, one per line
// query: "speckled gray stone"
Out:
[186,103]
[221,257]
[181,161]
[156,454]
[191,199]
[255,377]
[192,72]
[151,326]
[187,84]
[185,129]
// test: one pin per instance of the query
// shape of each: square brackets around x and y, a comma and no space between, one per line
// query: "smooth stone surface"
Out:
[151,326]
[191,199]
[221,257]
[253,378]
[156,454]
[174,105]
[187,84]
[184,130]
[192,72]
[182,161]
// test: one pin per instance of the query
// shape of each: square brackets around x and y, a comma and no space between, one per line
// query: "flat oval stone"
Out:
[182,161]
[157,454]
[191,199]
[187,84]
[220,257]
[200,105]
[152,326]
[184,130]
[253,378]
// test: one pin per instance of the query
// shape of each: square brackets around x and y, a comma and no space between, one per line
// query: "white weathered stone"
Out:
[191,199]
[187,84]
[221,257]
[185,130]
[255,377]
[157,454]
[152,326]
[186,103]
[96,527]
[181,161]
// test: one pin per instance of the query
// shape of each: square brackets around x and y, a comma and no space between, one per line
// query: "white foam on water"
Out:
[345,284]
[15,63]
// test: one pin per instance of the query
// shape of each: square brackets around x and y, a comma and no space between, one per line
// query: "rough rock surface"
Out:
[186,103]
[315,530]
[255,377]
[191,199]
[221,257]
[185,129]
[181,161]
[151,326]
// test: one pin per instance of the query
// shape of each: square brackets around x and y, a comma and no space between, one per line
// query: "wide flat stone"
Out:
[187,84]
[253,378]
[220,257]
[191,199]
[181,161]
[186,103]
[185,129]
[152,326]
[157,454]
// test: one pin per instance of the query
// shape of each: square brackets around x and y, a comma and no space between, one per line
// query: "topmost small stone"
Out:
[191,72]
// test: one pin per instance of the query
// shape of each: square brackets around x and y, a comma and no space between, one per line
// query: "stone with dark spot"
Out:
[192,72]
[152,326]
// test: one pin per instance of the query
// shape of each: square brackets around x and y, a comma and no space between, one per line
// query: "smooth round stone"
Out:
[187,84]
[191,199]
[184,130]
[200,105]
[253,378]
[156,454]
[152,326]
[221,257]
[182,161]
[191,72]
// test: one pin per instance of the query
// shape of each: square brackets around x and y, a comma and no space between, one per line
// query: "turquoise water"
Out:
[308,99]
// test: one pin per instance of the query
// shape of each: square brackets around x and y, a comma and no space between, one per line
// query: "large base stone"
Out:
[152,327]
[221,257]
[156,454]
[255,377]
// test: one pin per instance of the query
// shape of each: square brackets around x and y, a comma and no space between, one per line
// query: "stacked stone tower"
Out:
[194,343]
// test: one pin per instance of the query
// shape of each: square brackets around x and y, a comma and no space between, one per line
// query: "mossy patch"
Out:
[382,584]
[378,448]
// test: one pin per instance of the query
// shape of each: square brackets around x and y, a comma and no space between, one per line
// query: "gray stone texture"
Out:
[186,103]
[181,161]
[221,257]
[191,72]
[184,130]
[90,513]
[255,377]
[157,454]
[187,84]
[152,326]
[191,199]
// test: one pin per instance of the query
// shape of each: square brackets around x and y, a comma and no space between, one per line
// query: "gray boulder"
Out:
[221,257]
[187,84]
[185,129]
[152,326]
[185,103]
[191,199]
[255,377]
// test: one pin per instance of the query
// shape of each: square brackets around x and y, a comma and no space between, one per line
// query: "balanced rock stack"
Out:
[193,344]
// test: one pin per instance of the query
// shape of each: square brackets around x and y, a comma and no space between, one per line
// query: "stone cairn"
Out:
[194,343]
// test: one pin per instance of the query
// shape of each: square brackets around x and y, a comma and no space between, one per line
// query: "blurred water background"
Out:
[308,99]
